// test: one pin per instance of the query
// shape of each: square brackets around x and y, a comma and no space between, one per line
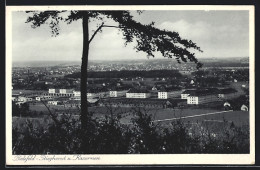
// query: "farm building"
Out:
[166,93]
[203,96]
[118,92]
[138,93]
[61,92]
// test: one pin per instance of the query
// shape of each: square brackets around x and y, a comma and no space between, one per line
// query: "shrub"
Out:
[63,135]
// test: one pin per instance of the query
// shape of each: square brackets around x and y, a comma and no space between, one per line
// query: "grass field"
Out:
[237,117]
[28,92]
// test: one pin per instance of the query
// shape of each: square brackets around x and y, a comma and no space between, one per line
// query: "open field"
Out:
[197,115]
[28,92]
[39,107]
[164,116]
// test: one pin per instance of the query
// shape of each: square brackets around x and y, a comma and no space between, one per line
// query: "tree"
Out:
[149,39]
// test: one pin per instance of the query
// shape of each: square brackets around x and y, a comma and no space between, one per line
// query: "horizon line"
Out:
[124,59]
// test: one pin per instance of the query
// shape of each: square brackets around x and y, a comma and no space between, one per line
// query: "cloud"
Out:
[197,31]
[37,44]
[214,40]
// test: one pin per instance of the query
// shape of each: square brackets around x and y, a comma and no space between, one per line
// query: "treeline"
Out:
[130,74]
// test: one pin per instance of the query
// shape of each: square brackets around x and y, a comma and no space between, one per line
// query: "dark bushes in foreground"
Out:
[143,136]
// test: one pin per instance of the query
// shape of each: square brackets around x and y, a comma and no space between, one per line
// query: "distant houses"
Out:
[61,92]
[143,102]
[43,98]
[97,93]
[138,93]
[118,92]
[162,97]
[202,96]
[207,95]
[166,93]
[186,93]
[91,93]
[55,103]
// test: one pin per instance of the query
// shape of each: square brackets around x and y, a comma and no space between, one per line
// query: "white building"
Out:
[201,99]
[29,99]
[203,96]
[40,98]
[61,92]
[92,95]
[117,93]
[95,93]
[244,108]
[76,93]
[138,93]
[186,93]
[54,103]
[19,99]
[166,93]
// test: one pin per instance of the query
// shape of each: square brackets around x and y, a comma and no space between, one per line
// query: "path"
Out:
[185,117]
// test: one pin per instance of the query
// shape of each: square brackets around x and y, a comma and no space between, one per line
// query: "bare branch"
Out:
[113,26]
[54,118]
[99,28]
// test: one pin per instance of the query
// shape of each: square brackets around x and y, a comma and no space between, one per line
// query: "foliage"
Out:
[143,136]
[149,38]
[22,110]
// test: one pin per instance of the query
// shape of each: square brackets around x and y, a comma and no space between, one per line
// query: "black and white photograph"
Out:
[114,85]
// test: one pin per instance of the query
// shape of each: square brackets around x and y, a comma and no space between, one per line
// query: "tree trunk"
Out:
[83,83]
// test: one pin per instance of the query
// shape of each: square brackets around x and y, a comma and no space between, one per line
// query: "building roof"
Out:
[133,90]
[188,91]
[169,89]
[143,101]
[202,92]
[69,90]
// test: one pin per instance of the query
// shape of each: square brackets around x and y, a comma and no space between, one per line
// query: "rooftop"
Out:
[133,90]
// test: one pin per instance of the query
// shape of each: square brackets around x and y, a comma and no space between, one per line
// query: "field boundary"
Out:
[185,117]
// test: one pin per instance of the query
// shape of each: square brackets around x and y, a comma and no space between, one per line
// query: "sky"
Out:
[219,34]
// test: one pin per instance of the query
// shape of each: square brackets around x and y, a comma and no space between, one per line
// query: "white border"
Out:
[129,159]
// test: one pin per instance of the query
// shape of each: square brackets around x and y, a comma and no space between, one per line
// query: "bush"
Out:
[143,136]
